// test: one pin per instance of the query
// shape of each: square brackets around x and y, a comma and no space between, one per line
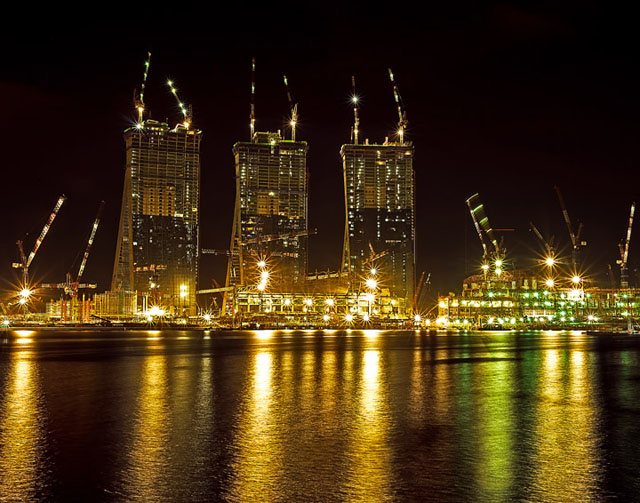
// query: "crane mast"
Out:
[252,115]
[356,118]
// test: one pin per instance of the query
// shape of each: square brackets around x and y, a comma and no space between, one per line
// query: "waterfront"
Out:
[318,416]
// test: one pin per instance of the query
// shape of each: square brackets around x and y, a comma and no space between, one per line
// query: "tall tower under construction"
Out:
[157,248]
[270,216]
[380,210]
[270,223]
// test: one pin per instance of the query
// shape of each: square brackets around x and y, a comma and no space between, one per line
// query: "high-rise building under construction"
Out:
[379,193]
[157,248]
[380,219]
[270,216]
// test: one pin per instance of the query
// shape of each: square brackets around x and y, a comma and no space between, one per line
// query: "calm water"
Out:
[318,416]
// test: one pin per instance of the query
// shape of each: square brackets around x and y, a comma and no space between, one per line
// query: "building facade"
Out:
[379,232]
[157,249]
[270,215]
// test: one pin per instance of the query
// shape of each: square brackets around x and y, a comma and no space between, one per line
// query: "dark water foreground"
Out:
[319,416]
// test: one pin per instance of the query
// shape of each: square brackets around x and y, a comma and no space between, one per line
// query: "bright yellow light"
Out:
[576,279]
[498,271]
[325,317]
[23,301]
[149,318]
[207,317]
[550,261]
[498,263]
[373,272]
[365,317]
[485,267]
[369,297]
[355,99]
[155,311]
[287,302]
[293,123]
[441,321]
[264,275]
[349,317]
[152,285]
[549,282]
[308,302]
[262,263]
[25,293]
[329,302]
[417,318]
[442,304]
[183,288]
[371,283]
[262,286]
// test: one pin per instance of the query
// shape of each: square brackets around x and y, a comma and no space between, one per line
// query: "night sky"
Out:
[506,100]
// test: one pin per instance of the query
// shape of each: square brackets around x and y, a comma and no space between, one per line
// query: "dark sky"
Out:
[504,99]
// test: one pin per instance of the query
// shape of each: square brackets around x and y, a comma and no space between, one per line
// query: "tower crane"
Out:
[252,115]
[70,287]
[402,114]
[187,111]
[550,252]
[138,101]
[294,110]
[624,252]
[490,245]
[576,244]
[355,130]
[25,261]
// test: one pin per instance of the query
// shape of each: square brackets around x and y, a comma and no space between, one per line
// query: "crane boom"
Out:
[45,229]
[294,110]
[402,114]
[628,240]
[186,110]
[139,102]
[90,242]
[477,226]
[567,220]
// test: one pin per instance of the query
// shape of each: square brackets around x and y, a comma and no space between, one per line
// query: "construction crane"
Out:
[355,130]
[252,115]
[71,287]
[576,244]
[549,249]
[187,112]
[402,114]
[490,245]
[138,101]
[624,252]
[294,110]
[25,262]
[373,256]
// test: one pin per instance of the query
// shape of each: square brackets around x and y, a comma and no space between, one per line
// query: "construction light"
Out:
[262,263]
[329,302]
[373,272]
[417,318]
[325,317]
[264,275]
[371,283]
[576,279]
[308,302]
[261,286]
[349,317]
[207,317]
[365,317]
[550,261]
[25,293]
[22,301]
[485,267]
[355,99]
[287,302]
[498,271]
[549,282]
[498,263]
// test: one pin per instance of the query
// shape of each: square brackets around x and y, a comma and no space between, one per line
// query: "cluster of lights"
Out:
[264,275]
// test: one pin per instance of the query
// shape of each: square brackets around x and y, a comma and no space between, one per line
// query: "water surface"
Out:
[318,416]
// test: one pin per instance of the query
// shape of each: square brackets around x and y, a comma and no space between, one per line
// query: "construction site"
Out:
[553,294]
[268,283]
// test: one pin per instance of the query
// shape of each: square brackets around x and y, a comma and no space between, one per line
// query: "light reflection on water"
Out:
[22,444]
[365,417]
